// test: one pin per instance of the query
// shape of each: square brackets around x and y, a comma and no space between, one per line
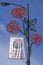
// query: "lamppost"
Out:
[26,30]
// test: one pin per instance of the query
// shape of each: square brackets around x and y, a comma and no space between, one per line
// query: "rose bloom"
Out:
[18,12]
[13,27]
[36,39]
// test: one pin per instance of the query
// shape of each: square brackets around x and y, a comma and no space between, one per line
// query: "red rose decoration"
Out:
[36,39]
[13,27]
[18,12]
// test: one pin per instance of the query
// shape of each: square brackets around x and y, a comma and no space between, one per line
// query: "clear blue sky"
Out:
[35,11]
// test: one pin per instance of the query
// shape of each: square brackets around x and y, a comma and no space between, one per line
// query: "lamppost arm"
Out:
[6,4]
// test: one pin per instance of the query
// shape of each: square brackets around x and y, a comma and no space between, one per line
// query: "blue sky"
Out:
[35,11]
